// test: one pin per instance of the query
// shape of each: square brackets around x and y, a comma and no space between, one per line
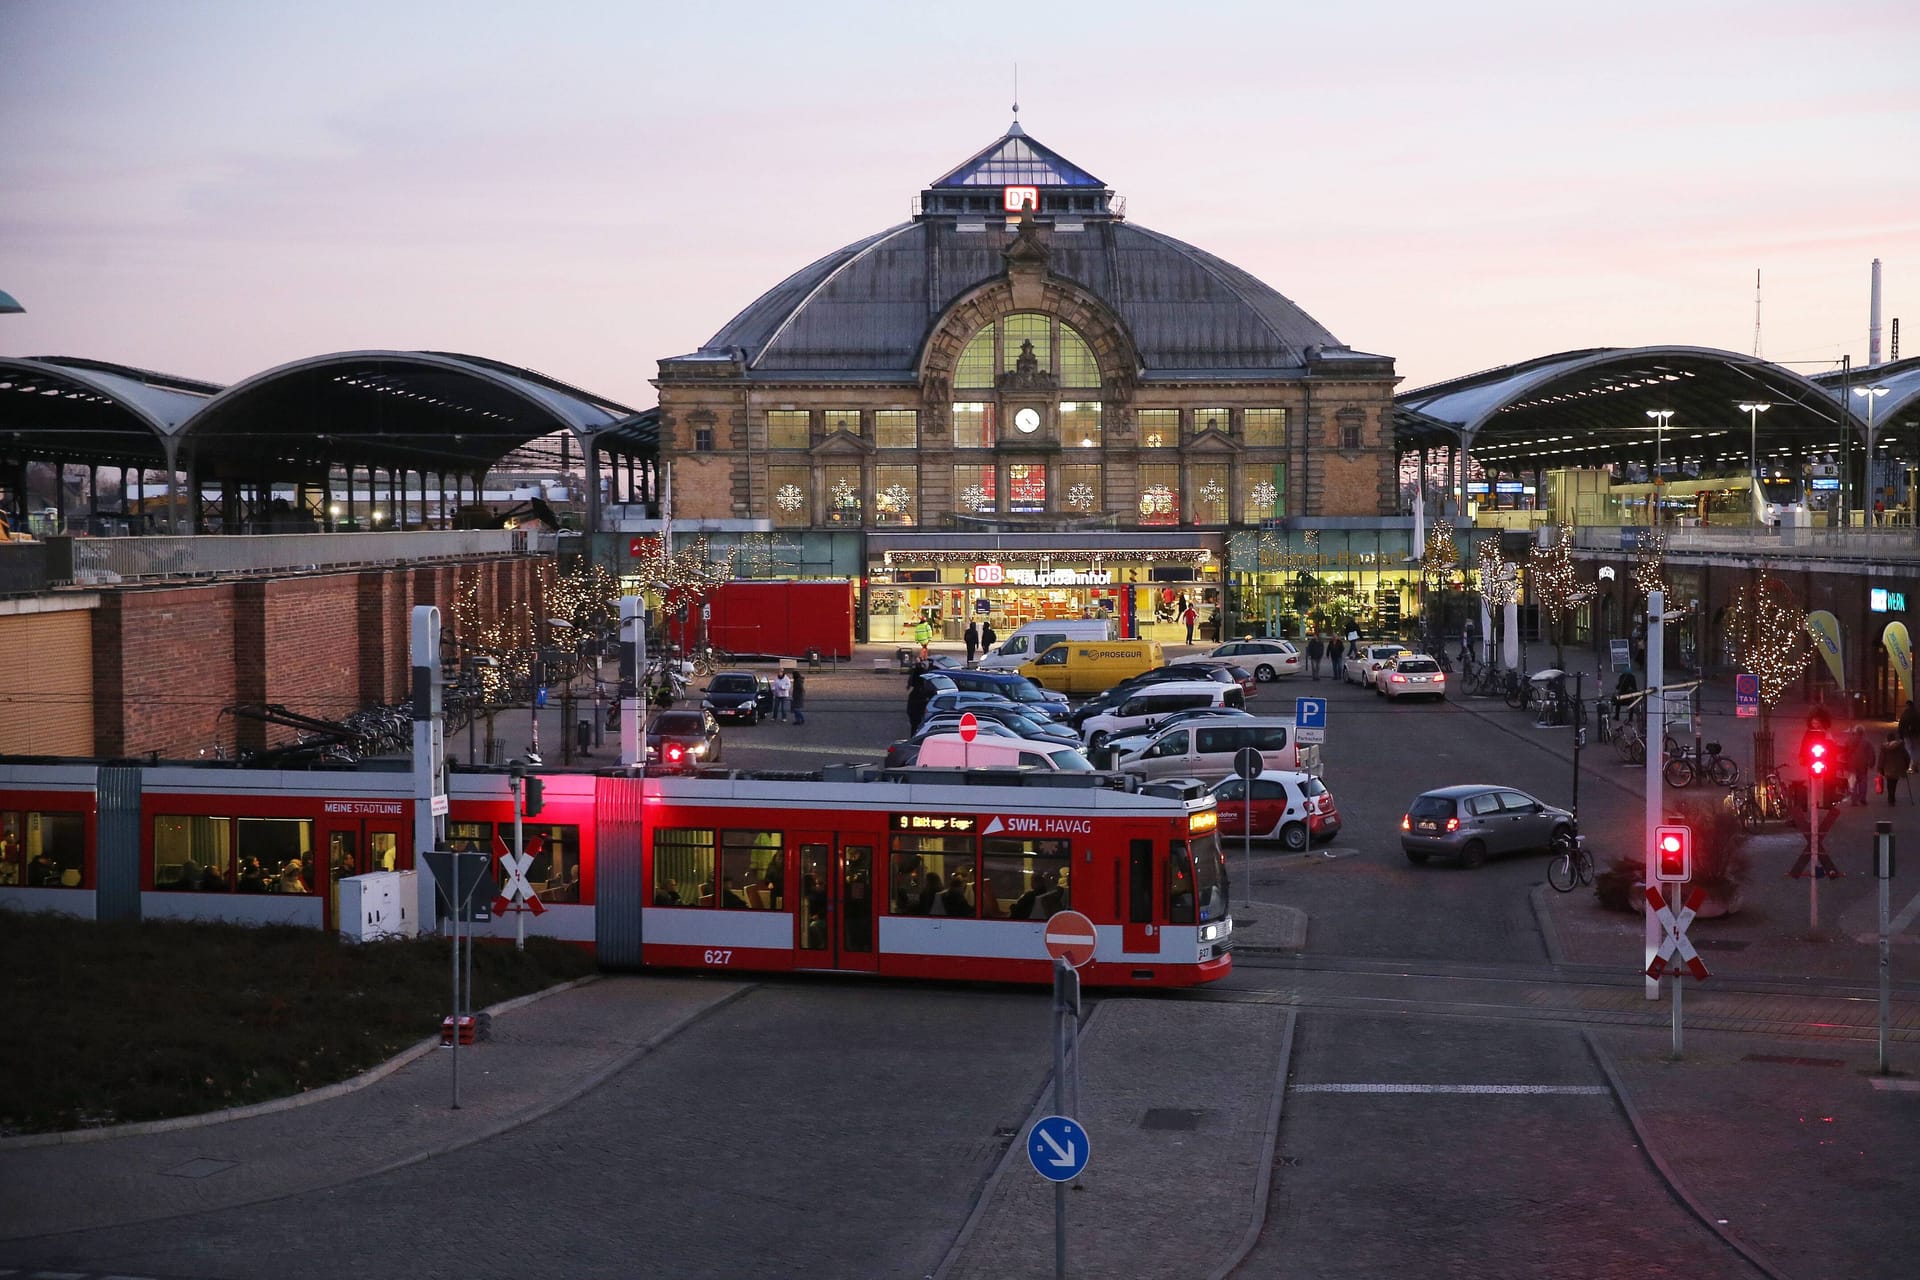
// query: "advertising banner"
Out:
[1826,638]
[1900,655]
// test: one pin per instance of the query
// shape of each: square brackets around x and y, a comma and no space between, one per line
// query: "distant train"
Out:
[1723,500]
[928,878]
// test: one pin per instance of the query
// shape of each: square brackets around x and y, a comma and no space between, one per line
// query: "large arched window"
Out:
[1058,349]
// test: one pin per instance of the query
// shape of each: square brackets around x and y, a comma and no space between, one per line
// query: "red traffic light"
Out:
[1673,854]
[1816,752]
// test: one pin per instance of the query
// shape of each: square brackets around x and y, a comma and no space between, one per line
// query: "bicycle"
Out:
[1630,743]
[710,660]
[1520,694]
[1686,765]
[1758,803]
[1572,864]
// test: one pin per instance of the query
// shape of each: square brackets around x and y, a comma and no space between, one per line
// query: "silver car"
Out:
[1471,822]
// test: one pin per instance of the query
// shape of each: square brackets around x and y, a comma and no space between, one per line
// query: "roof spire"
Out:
[1014,129]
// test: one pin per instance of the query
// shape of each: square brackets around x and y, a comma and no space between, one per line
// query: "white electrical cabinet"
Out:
[379,904]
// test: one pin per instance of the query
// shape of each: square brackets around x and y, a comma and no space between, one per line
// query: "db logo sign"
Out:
[989,575]
[1012,198]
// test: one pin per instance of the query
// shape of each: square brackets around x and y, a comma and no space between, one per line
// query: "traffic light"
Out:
[1816,752]
[536,796]
[1673,854]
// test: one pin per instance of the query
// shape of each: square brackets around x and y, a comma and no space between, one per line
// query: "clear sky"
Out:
[212,188]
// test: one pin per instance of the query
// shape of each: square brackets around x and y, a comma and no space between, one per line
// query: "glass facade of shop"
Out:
[1285,582]
[1140,596]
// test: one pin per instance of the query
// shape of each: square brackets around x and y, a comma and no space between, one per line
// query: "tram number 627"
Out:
[719,957]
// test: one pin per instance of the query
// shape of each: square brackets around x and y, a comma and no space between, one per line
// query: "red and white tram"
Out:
[924,879]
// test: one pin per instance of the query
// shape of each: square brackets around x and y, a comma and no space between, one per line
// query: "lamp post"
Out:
[1870,394]
[1753,410]
[1660,419]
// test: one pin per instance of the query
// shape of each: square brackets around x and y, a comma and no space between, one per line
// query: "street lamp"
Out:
[1871,394]
[1753,410]
[1660,419]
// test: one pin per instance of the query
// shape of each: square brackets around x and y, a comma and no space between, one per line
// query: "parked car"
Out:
[1023,721]
[1267,659]
[1412,676]
[1010,685]
[1363,663]
[1470,822]
[1146,707]
[739,695]
[1123,744]
[907,750]
[949,751]
[683,740]
[1294,808]
[1113,697]
[1207,749]
[959,701]
[1032,639]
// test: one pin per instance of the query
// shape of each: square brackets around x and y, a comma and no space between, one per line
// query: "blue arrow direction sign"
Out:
[1310,713]
[1058,1148]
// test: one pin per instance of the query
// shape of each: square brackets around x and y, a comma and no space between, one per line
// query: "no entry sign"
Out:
[1070,937]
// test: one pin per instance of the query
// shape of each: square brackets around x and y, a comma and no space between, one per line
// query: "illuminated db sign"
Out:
[989,575]
[1013,198]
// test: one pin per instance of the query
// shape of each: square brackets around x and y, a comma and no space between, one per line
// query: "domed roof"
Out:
[867,309]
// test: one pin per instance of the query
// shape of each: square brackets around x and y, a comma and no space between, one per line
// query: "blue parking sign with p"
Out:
[1310,713]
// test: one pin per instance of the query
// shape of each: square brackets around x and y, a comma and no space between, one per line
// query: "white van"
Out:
[1034,638]
[1147,704]
[948,751]
[1206,749]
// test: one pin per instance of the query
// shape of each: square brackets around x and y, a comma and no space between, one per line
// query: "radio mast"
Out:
[1756,313]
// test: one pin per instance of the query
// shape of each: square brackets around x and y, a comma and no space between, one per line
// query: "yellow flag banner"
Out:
[1900,654]
[1826,638]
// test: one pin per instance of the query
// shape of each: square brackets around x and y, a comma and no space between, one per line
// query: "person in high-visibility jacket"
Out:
[923,636]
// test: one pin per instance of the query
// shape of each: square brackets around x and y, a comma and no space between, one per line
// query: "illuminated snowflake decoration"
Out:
[1212,493]
[975,498]
[1264,494]
[1156,501]
[1153,440]
[895,498]
[789,497]
[845,495]
[1080,497]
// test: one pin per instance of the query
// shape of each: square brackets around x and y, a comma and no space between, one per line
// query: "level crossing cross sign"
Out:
[1070,937]
[1676,952]
[517,893]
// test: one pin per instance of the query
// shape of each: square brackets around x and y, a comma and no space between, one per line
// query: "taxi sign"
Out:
[1070,936]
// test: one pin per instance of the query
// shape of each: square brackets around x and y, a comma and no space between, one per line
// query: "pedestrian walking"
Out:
[923,635]
[782,695]
[1189,617]
[1909,731]
[1860,761]
[1893,766]
[971,638]
[799,697]
[1623,689]
[987,638]
[1316,650]
[1334,650]
[919,693]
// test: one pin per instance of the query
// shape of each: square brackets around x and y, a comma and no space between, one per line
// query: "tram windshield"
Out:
[1210,877]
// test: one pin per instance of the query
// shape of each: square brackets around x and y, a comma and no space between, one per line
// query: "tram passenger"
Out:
[859,902]
[667,895]
[252,878]
[1052,900]
[929,903]
[292,880]
[730,898]
[955,899]
[42,872]
[815,899]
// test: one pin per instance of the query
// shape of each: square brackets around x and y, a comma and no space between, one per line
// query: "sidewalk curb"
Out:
[1040,1108]
[372,1075]
[1543,918]
[1263,1186]
[1759,1260]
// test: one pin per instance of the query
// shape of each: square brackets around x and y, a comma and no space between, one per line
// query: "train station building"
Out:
[1022,402]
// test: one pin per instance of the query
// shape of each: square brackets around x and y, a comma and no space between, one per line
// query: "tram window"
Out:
[1023,879]
[683,867]
[185,847]
[934,876]
[555,850]
[1180,902]
[471,837]
[751,864]
[1140,881]
[283,846]
[383,851]
[43,850]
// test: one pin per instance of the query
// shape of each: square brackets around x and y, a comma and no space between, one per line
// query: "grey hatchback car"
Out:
[1470,822]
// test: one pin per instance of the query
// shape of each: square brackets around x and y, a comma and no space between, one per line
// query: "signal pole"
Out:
[1656,758]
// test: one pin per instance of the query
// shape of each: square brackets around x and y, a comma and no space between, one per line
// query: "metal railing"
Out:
[1817,544]
[23,568]
[104,561]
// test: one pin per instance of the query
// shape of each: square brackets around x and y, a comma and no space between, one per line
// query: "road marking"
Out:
[1581,1090]
[1898,1086]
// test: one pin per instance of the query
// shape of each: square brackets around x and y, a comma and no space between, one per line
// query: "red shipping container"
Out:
[784,618]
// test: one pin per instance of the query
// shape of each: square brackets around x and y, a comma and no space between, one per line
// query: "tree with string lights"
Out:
[1550,571]
[1438,559]
[1766,634]
[1648,558]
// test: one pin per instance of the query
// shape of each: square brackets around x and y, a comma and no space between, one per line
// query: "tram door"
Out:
[834,925]
[356,845]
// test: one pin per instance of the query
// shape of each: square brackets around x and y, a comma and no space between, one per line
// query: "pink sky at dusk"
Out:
[214,188]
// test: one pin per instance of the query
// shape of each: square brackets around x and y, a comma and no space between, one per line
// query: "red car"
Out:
[1294,808]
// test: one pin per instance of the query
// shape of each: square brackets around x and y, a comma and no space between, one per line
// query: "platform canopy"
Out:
[89,412]
[426,411]
[1589,408]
